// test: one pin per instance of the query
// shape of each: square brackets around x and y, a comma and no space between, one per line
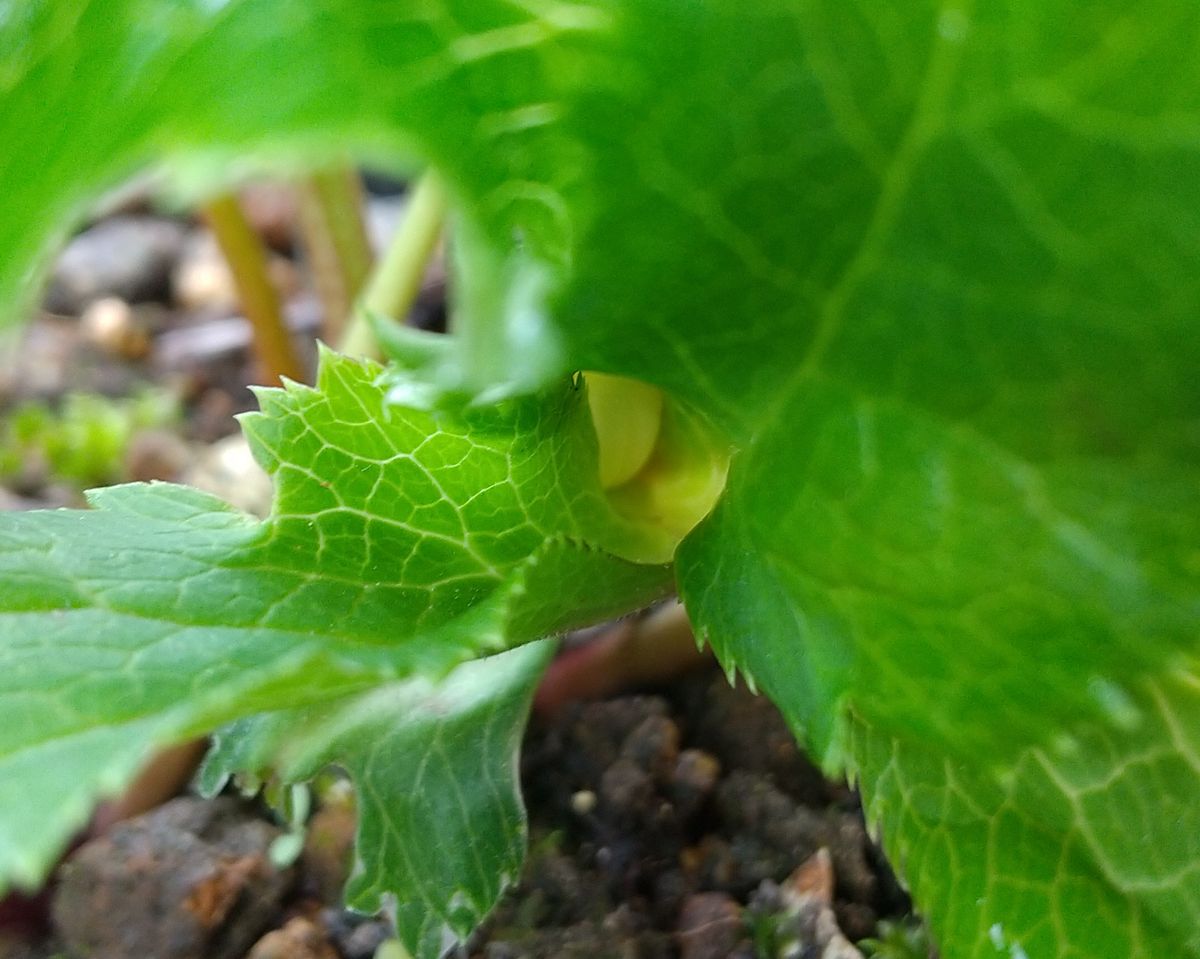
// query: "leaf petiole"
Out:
[396,279]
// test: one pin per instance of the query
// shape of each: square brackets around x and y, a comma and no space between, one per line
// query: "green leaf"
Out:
[1089,847]
[441,829]
[932,271]
[922,562]
[964,519]
[400,542]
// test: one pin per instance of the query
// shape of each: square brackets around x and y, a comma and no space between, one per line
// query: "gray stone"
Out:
[129,257]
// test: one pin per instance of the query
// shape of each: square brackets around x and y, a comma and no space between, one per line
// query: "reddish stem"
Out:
[636,652]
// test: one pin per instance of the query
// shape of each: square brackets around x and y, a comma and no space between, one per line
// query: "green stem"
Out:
[247,260]
[396,281]
[335,237]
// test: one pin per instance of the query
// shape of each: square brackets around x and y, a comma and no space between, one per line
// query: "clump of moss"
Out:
[81,442]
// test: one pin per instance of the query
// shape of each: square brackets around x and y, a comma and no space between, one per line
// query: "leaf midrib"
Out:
[924,124]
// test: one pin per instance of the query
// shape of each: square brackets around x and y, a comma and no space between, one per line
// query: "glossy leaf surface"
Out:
[932,273]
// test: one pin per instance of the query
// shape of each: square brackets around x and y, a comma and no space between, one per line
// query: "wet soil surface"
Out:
[678,823]
[675,825]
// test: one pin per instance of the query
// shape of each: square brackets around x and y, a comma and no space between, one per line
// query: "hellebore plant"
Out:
[908,299]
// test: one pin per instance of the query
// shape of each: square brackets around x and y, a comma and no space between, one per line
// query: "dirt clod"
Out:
[686,828]
[746,732]
[190,880]
[626,788]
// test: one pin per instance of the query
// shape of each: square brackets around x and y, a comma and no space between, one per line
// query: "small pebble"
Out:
[804,922]
[692,781]
[203,282]
[9,502]
[583,802]
[626,787]
[205,342]
[365,941]
[156,454]
[300,938]
[129,257]
[710,926]
[355,936]
[653,745]
[228,469]
[45,361]
[812,879]
[201,279]
[110,324]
